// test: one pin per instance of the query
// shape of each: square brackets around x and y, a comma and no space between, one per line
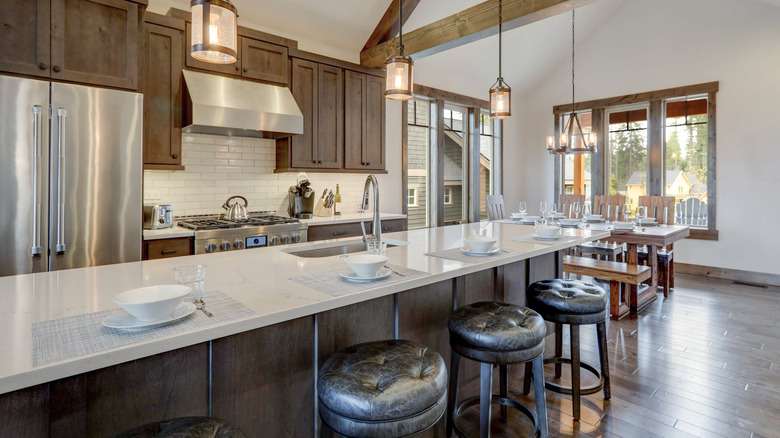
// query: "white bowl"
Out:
[547,230]
[569,221]
[480,243]
[517,215]
[623,225]
[152,303]
[365,265]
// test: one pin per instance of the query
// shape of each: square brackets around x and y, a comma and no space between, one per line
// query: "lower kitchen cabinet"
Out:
[337,231]
[166,248]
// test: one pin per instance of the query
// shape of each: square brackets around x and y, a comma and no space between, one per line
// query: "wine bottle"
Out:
[337,202]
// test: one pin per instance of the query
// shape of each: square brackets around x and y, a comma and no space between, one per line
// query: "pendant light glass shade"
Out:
[500,92]
[399,84]
[214,31]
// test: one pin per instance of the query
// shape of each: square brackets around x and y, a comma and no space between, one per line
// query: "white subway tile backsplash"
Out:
[218,167]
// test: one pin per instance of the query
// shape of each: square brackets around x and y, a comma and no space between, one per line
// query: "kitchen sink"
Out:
[327,250]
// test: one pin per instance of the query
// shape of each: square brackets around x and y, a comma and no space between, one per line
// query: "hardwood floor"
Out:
[700,363]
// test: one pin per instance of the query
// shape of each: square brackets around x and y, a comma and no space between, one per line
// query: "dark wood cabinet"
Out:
[318,89]
[166,248]
[364,122]
[264,61]
[25,37]
[95,42]
[161,84]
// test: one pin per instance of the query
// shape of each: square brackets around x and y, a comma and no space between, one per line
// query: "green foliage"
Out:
[628,154]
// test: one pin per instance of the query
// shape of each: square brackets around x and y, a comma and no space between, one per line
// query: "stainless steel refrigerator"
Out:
[70,176]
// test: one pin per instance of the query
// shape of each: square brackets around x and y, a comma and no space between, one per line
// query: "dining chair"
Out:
[495,207]
[565,202]
[661,208]
[608,206]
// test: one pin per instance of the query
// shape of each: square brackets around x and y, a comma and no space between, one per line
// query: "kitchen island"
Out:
[258,372]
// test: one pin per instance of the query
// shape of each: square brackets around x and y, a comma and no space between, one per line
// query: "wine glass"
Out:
[641,213]
[626,212]
[543,208]
[575,208]
[585,212]
[523,208]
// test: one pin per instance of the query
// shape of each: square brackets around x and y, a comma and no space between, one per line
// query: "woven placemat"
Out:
[459,256]
[65,338]
[332,284]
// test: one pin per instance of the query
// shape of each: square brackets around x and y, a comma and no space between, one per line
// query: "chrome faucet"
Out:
[377,224]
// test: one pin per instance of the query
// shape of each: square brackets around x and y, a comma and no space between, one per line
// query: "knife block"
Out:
[321,211]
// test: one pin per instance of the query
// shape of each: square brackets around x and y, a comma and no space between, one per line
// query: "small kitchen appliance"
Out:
[158,216]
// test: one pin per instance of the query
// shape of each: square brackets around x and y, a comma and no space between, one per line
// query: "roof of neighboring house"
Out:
[698,189]
[639,178]
[569,171]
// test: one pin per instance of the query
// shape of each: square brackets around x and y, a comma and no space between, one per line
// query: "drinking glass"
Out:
[543,207]
[626,212]
[523,208]
[575,208]
[193,276]
[641,213]
[585,212]
[377,247]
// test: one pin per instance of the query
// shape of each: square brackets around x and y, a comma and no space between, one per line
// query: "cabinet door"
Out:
[354,120]
[162,87]
[227,69]
[95,42]
[264,61]
[330,125]
[374,149]
[166,248]
[24,32]
[305,89]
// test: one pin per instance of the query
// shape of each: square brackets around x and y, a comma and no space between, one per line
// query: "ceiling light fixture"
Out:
[214,31]
[399,84]
[500,93]
[572,139]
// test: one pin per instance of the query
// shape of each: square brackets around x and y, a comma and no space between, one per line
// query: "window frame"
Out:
[656,142]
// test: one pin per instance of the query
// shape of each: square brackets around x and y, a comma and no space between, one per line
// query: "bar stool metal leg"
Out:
[326,432]
[503,390]
[604,356]
[452,399]
[527,379]
[558,348]
[575,369]
[539,395]
[485,396]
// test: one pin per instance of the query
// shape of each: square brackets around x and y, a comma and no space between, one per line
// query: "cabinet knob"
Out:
[246,69]
[57,68]
[368,164]
[43,66]
[314,161]
[175,156]
[362,163]
[238,68]
[319,162]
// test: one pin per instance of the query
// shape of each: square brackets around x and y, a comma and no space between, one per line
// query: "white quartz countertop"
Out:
[258,278]
[168,233]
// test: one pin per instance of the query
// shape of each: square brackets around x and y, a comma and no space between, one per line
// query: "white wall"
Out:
[651,45]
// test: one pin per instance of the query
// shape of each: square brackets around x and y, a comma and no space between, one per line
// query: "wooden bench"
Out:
[619,303]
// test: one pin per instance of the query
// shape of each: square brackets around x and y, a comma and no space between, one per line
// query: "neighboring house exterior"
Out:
[568,183]
[679,184]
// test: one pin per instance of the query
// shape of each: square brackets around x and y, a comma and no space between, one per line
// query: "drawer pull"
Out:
[169,251]
[388,228]
[339,233]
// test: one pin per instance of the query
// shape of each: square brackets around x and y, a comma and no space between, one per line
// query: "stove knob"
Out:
[239,244]
[274,241]
[286,239]
[225,246]
[297,238]
[211,247]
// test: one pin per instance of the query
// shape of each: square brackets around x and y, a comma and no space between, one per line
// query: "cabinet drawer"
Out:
[337,231]
[165,248]
[393,225]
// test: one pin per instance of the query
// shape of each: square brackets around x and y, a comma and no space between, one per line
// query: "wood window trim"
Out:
[655,99]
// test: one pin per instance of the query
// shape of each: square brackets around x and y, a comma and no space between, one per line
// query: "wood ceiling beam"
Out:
[388,25]
[469,25]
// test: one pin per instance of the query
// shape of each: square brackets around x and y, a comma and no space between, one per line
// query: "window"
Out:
[418,166]
[627,154]
[577,168]
[455,165]
[485,161]
[411,197]
[448,195]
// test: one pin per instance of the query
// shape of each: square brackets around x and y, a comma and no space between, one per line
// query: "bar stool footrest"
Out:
[495,398]
[554,387]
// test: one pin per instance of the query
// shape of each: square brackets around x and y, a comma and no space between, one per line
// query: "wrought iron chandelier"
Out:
[572,139]
[500,93]
[399,85]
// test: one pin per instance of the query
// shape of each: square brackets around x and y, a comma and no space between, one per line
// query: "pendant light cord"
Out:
[401,24]
[572,61]
[500,24]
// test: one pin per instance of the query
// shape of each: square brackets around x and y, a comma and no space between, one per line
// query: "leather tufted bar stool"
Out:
[574,303]
[503,334]
[387,389]
[185,427]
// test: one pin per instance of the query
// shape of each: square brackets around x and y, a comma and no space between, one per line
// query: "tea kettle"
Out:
[235,211]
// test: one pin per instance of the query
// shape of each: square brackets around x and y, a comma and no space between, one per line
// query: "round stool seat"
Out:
[384,388]
[185,427]
[568,301]
[496,332]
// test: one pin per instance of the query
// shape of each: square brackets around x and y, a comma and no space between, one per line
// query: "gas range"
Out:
[213,234]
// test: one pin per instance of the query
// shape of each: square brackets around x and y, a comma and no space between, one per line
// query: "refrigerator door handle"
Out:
[61,114]
[36,235]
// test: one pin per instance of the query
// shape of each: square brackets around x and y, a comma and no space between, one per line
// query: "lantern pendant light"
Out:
[214,31]
[500,93]
[573,140]
[399,85]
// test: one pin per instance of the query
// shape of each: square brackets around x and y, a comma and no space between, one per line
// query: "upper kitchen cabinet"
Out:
[318,89]
[87,41]
[24,32]
[161,84]
[364,122]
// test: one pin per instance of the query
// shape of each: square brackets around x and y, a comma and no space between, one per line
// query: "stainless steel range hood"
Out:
[223,106]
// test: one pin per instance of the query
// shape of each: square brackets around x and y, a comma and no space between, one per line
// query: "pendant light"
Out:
[399,65]
[572,139]
[214,31]
[500,93]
